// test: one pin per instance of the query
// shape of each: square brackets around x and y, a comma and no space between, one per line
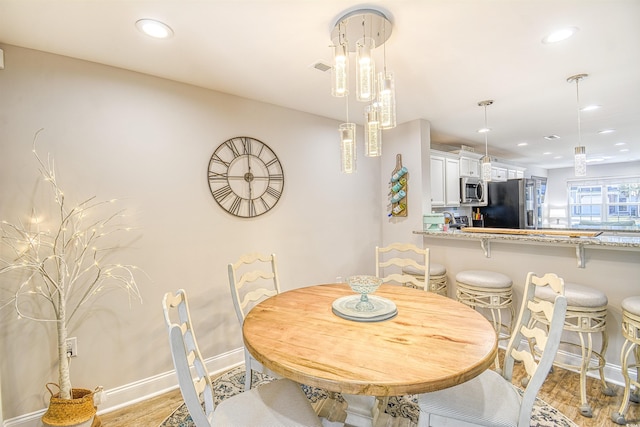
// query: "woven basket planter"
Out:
[77,411]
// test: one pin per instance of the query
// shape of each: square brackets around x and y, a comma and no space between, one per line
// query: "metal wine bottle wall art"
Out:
[398,189]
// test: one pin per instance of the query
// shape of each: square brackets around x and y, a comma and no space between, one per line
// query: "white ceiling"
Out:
[447,55]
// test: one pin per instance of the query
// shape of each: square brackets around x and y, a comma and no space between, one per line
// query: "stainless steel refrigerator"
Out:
[516,203]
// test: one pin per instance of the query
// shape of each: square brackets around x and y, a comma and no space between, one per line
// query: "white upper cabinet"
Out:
[445,181]
[437,180]
[469,167]
[452,183]
[498,173]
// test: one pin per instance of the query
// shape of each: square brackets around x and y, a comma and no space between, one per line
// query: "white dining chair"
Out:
[253,278]
[278,403]
[403,263]
[490,399]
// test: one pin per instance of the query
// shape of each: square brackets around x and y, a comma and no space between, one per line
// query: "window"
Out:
[604,202]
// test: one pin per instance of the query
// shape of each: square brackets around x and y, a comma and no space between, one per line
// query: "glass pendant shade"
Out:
[340,71]
[486,168]
[347,147]
[365,71]
[372,133]
[580,161]
[387,100]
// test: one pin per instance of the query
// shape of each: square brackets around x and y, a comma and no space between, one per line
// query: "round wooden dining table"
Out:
[432,343]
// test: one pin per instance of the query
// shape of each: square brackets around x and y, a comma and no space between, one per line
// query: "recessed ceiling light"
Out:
[605,131]
[624,150]
[617,144]
[590,107]
[484,130]
[552,137]
[153,28]
[523,144]
[546,153]
[557,157]
[559,35]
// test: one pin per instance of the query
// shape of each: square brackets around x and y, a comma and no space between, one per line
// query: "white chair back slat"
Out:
[391,259]
[193,378]
[252,279]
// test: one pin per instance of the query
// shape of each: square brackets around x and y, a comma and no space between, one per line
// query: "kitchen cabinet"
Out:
[503,171]
[469,167]
[445,181]
[498,173]
[515,173]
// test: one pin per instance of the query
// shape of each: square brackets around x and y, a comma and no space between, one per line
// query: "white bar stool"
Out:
[437,277]
[631,334]
[586,315]
[492,291]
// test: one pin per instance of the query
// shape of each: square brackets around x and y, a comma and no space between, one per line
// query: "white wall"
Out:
[410,140]
[147,142]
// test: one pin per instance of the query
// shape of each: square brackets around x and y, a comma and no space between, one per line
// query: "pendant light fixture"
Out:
[361,31]
[365,65]
[340,70]
[580,152]
[347,144]
[386,92]
[372,132]
[486,160]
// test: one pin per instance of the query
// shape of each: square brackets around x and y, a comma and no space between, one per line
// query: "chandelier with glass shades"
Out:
[362,31]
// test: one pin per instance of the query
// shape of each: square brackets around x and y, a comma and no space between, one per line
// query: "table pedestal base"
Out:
[365,411]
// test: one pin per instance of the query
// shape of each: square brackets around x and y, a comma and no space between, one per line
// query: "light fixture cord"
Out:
[486,131]
[578,110]
[346,101]
[384,46]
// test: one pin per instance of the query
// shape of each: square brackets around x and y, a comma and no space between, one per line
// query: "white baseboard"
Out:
[147,388]
[135,392]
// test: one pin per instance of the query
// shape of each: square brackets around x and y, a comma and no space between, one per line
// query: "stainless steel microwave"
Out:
[473,191]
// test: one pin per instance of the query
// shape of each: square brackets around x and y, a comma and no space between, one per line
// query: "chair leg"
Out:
[247,378]
[635,395]
[423,419]
[628,348]
[248,373]
[618,417]
[606,390]
[585,408]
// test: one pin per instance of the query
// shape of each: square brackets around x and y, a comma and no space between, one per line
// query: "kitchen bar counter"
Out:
[603,241]
[609,262]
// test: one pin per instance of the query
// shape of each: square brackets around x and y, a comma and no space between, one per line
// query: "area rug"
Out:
[232,382]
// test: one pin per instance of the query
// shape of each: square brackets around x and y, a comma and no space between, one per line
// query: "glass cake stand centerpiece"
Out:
[364,307]
[364,285]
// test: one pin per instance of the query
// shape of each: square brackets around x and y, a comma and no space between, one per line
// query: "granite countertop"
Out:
[604,240]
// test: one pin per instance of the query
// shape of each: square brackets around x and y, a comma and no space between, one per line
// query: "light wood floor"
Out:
[561,390]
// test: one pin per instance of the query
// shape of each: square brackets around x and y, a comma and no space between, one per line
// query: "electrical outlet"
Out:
[72,347]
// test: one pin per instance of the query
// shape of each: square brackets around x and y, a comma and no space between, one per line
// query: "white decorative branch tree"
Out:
[63,264]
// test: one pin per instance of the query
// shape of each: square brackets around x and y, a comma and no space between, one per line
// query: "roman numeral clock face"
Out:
[245,177]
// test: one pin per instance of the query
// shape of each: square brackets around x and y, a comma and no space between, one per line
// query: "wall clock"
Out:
[245,177]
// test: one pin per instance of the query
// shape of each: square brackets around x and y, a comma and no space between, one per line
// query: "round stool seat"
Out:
[483,279]
[434,270]
[437,277]
[631,305]
[577,296]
